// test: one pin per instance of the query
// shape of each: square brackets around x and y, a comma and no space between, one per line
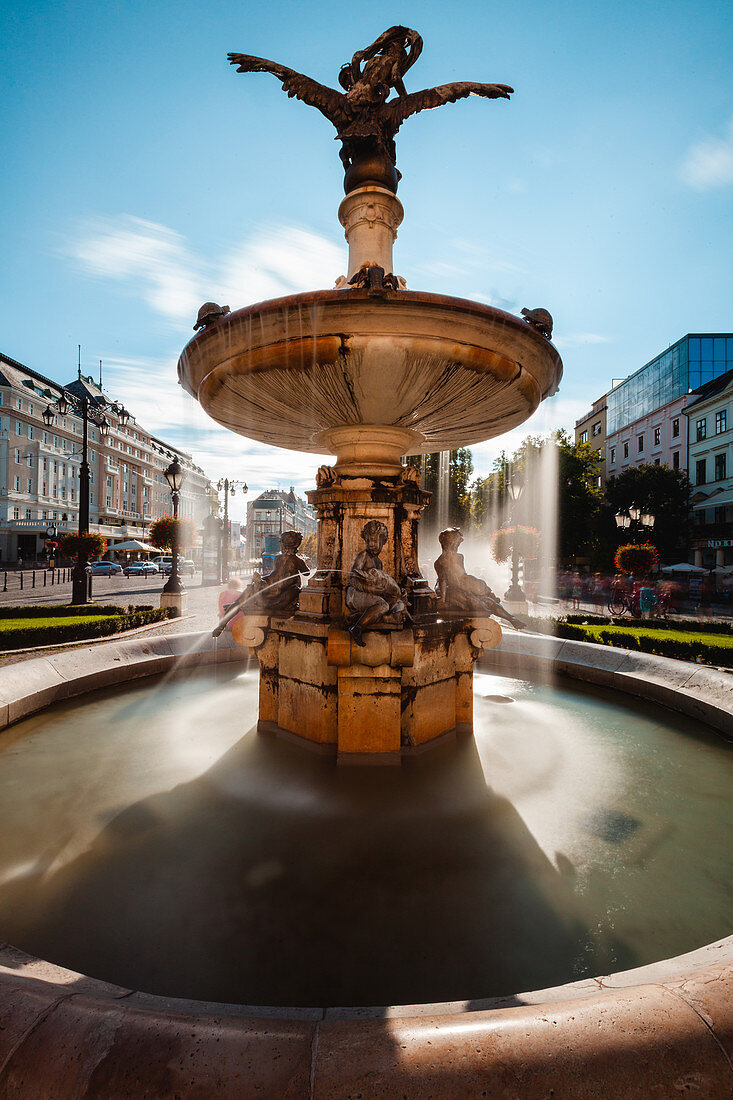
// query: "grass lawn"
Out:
[48,623]
[725,641]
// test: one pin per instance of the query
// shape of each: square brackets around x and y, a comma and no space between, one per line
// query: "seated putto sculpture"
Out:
[365,118]
[277,592]
[460,591]
[373,597]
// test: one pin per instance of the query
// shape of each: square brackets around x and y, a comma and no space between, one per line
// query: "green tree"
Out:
[656,489]
[460,468]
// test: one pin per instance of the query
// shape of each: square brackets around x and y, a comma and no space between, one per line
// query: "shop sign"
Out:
[716,544]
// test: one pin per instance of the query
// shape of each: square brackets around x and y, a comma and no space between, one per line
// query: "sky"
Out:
[142,176]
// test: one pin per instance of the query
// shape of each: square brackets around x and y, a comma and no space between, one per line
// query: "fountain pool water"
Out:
[153,839]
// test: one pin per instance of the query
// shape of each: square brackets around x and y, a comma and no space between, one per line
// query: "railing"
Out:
[19,579]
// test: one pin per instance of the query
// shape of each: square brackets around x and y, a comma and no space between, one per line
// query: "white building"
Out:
[39,469]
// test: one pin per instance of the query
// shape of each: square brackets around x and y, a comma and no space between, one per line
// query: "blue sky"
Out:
[143,176]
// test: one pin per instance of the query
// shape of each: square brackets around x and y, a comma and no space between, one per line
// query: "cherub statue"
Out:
[366,120]
[460,591]
[372,595]
[277,592]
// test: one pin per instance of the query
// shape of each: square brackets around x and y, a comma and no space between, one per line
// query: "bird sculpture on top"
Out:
[366,119]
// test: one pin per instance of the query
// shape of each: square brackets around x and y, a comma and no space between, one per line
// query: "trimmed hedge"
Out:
[706,626]
[56,633]
[57,610]
[661,642]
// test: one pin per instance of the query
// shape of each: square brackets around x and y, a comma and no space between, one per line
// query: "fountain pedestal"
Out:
[396,694]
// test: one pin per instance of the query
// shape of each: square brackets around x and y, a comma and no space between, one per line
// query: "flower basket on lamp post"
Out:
[639,559]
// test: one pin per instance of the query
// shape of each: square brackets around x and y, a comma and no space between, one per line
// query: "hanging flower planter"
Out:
[527,541]
[638,559]
[166,531]
[88,544]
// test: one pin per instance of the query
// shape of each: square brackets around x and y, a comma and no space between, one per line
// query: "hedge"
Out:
[707,626]
[56,610]
[693,648]
[56,633]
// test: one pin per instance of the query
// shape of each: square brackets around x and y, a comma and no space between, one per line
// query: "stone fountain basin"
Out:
[454,371]
[659,1030]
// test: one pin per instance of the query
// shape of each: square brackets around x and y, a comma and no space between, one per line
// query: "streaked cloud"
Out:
[577,339]
[156,263]
[555,412]
[709,163]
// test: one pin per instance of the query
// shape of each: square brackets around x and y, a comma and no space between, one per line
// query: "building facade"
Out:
[591,428]
[645,422]
[272,513]
[710,416]
[39,469]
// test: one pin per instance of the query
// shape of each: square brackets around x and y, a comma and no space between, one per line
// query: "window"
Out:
[44,438]
[657,436]
[700,471]
[612,458]
[109,502]
[626,449]
[597,428]
[676,460]
[30,431]
[720,467]
[45,487]
[28,514]
[29,459]
[720,514]
[583,437]
[18,427]
[17,484]
[16,513]
[640,442]
[18,403]
[720,421]
[657,462]
[17,455]
[676,428]
[30,483]
[701,429]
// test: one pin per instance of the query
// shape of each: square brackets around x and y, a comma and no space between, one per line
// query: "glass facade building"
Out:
[692,361]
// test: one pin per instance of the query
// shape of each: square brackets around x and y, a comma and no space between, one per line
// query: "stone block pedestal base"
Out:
[395,695]
[176,600]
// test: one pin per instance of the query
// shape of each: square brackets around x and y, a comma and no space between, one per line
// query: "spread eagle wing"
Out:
[327,100]
[397,110]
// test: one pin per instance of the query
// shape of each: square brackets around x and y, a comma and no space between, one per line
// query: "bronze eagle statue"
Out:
[366,119]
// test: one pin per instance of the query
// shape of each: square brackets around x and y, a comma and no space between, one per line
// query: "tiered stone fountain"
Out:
[371,372]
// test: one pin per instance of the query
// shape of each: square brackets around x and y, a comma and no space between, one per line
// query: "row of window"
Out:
[701,469]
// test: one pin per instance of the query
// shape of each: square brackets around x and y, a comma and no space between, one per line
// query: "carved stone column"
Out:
[370,216]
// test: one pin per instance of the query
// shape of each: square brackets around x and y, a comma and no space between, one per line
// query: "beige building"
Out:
[39,469]
[591,428]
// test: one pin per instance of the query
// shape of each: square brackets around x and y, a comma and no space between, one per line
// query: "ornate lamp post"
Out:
[514,594]
[174,475]
[228,487]
[641,520]
[88,409]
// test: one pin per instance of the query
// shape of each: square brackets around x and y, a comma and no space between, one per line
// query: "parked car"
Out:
[104,568]
[186,568]
[140,568]
[161,561]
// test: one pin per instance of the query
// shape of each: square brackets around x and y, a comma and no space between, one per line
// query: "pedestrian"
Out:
[230,595]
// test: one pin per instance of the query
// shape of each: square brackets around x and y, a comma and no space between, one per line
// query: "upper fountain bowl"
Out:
[436,372]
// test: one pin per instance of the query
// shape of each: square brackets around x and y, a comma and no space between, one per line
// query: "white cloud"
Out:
[575,339]
[158,264]
[709,163]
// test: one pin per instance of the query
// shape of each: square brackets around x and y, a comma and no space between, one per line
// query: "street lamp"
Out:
[88,408]
[229,487]
[514,593]
[639,518]
[174,475]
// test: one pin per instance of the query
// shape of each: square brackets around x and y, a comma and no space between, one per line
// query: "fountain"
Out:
[431,930]
[371,372]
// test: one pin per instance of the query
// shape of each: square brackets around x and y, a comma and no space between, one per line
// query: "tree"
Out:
[460,468]
[163,533]
[657,489]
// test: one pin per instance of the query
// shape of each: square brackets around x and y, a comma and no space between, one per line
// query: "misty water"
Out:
[152,838]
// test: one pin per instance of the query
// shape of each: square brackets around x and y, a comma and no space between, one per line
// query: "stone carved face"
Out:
[374,534]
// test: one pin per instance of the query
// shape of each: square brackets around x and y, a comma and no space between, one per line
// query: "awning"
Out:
[134,546]
[683,567]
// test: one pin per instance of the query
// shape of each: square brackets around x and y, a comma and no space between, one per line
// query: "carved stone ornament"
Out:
[372,277]
[327,476]
[373,597]
[209,314]
[460,591]
[539,319]
[409,474]
[366,119]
